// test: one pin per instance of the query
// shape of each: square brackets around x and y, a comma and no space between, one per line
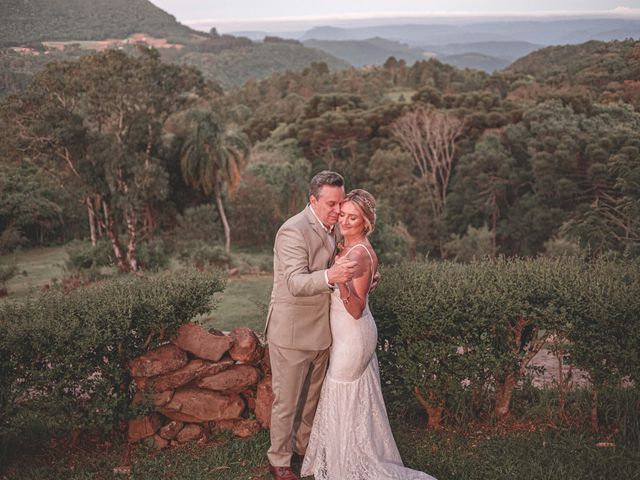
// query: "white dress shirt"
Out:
[332,241]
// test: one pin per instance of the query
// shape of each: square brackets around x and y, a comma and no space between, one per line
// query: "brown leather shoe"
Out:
[282,473]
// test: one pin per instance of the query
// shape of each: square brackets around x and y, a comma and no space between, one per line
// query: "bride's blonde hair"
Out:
[367,205]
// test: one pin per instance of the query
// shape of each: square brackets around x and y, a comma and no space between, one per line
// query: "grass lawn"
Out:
[243,303]
[41,265]
[538,455]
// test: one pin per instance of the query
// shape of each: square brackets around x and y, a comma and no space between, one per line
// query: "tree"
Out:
[211,156]
[430,136]
[482,183]
[95,125]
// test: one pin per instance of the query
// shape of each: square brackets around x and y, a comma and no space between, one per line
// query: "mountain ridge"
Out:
[28,21]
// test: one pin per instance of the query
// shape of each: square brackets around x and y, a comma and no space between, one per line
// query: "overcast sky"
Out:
[230,14]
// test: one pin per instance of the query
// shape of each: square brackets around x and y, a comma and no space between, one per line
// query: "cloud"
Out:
[626,11]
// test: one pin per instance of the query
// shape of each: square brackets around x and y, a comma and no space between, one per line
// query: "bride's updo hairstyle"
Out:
[367,205]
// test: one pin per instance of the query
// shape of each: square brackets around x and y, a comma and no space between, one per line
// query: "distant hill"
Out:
[479,61]
[503,50]
[539,31]
[26,21]
[373,51]
[593,64]
[233,67]
[226,59]
[411,34]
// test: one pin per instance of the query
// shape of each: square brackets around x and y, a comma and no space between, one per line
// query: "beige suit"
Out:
[298,331]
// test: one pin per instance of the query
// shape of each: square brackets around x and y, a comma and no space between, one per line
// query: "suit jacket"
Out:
[298,315]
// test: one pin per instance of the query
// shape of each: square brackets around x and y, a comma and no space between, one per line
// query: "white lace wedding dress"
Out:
[351,438]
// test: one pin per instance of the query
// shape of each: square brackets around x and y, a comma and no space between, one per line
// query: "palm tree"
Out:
[212,155]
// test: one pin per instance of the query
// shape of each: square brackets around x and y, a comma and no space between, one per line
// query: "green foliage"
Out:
[392,243]
[106,157]
[199,223]
[594,64]
[254,212]
[475,244]
[541,154]
[604,336]
[202,254]
[152,255]
[234,67]
[64,357]
[30,206]
[461,331]
[11,239]
[7,272]
[84,256]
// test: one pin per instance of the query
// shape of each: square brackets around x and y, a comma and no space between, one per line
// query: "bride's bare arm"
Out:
[354,293]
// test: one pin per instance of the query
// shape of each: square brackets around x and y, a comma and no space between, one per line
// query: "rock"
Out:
[265,363]
[195,339]
[182,376]
[160,442]
[264,401]
[158,399]
[234,379]
[180,417]
[141,383]
[240,428]
[246,346]
[171,429]
[156,362]
[191,431]
[203,405]
[249,398]
[140,428]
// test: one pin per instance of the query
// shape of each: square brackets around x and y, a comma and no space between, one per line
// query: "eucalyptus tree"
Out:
[212,156]
[96,126]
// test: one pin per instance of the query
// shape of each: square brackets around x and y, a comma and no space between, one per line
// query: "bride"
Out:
[351,438]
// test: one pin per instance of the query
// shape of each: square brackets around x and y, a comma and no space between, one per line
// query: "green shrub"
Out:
[64,357]
[199,223]
[7,272]
[461,335]
[10,239]
[203,255]
[152,255]
[84,256]
[605,337]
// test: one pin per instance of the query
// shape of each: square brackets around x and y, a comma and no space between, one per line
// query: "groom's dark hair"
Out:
[325,177]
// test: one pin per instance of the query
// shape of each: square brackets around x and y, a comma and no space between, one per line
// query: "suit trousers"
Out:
[297,377]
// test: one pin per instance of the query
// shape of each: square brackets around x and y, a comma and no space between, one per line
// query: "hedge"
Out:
[63,358]
[452,333]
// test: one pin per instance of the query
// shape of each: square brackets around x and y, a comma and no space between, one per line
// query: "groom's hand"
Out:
[342,271]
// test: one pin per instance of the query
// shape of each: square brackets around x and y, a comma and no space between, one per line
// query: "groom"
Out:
[297,326]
